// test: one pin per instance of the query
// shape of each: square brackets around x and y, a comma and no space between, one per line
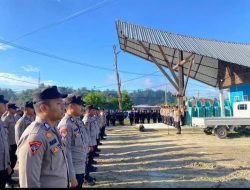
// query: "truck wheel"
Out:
[207,132]
[221,132]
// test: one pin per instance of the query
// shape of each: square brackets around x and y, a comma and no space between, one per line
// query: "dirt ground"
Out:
[130,158]
[154,158]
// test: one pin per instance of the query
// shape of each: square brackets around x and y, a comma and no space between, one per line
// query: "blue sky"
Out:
[89,38]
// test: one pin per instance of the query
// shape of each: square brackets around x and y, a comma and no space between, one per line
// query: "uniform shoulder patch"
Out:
[64,132]
[34,146]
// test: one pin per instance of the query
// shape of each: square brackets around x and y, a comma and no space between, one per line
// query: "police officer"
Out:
[148,115]
[131,117]
[108,118]
[113,118]
[72,133]
[25,120]
[10,120]
[154,116]
[137,117]
[41,153]
[5,168]
[88,121]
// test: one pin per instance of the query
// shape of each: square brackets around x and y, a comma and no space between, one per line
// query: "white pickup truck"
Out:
[221,126]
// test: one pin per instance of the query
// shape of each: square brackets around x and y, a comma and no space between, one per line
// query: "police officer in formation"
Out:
[131,117]
[41,152]
[74,137]
[113,118]
[25,120]
[108,115]
[10,120]
[5,168]
[56,150]
[137,117]
[90,126]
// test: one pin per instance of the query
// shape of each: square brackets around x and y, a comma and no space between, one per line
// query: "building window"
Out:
[245,98]
[242,107]
[236,99]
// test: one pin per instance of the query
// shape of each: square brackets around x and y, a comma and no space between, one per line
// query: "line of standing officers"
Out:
[139,116]
[57,147]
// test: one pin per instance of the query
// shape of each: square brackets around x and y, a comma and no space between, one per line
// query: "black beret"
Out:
[74,99]
[2,100]
[48,93]
[12,105]
[29,105]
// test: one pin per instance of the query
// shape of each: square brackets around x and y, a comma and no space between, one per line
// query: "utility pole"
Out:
[118,80]
[166,94]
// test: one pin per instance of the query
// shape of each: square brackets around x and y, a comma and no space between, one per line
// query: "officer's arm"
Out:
[30,160]
[18,129]
[66,133]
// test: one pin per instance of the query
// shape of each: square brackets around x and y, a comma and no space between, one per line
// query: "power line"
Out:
[129,80]
[18,80]
[74,15]
[65,59]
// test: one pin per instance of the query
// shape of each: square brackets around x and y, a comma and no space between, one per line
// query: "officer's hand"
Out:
[9,169]
[91,149]
[73,183]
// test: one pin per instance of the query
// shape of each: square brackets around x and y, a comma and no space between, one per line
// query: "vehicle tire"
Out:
[208,132]
[221,132]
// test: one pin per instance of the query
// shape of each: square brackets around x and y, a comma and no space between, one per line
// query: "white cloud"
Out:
[111,78]
[30,68]
[4,47]
[13,80]
[148,83]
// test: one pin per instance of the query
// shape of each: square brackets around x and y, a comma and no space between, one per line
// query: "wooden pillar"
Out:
[181,81]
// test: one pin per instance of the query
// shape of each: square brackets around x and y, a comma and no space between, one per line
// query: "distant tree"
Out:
[8,94]
[95,98]
[127,101]
[24,96]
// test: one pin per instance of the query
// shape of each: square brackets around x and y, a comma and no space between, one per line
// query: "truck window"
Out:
[245,98]
[242,107]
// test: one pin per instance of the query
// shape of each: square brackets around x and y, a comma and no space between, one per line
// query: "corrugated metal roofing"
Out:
[208,52]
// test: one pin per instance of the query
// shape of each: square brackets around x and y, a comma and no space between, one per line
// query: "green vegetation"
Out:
[106,99]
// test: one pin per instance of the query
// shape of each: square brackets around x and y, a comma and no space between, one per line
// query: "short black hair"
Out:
[37,105]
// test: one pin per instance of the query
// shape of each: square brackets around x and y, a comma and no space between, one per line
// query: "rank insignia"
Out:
[56,149]
[49,135]
[34,146]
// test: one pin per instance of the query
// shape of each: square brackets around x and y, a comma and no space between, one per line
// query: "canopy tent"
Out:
[215,63]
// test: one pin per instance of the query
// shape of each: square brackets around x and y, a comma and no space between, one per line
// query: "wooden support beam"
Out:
[188,75]
[168,63]
[181,80]
[159,66]
[182,62]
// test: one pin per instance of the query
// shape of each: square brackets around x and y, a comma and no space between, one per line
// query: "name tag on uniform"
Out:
[54,141]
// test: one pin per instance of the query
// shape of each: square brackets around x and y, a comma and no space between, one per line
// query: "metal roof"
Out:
[210,55]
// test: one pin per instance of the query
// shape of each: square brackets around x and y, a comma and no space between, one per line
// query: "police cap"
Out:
[48,93]
[2,100]
[74,99]
[12,106]
[29,105]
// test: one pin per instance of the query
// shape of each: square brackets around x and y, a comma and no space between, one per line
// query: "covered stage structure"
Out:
[216,63]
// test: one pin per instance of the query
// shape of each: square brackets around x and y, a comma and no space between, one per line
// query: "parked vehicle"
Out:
[222,126]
